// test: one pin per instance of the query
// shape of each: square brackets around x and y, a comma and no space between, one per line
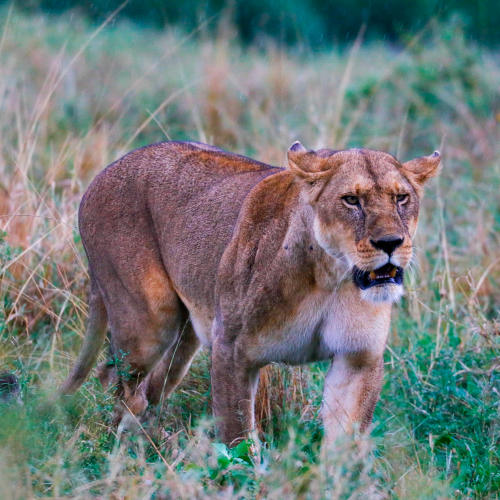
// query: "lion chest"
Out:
[323,325]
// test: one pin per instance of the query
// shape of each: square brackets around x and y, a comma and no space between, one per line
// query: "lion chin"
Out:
[383,293]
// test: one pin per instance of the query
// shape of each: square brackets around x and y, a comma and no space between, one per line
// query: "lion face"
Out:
[365,206]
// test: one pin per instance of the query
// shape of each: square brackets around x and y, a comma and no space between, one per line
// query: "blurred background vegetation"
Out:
[316,23]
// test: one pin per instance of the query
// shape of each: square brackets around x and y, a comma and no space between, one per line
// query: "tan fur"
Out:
[188,244]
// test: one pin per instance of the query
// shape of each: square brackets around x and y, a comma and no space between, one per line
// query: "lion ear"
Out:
[305,164]
[423,168]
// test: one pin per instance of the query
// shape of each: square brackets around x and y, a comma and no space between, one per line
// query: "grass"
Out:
[73,99]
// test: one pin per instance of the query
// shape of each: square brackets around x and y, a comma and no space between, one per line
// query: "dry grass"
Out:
[73,98]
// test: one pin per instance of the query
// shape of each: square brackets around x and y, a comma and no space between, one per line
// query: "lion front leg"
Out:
[352,388]
[234,383]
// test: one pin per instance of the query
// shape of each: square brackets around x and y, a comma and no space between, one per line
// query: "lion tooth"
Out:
[393,272]
[372,275]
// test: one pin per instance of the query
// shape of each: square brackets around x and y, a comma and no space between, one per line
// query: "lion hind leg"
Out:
[145,317]
[173,365]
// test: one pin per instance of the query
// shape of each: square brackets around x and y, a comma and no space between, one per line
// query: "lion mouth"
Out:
[387,274]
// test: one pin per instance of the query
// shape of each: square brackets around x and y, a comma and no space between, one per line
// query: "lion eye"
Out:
[402,198]
[351,200]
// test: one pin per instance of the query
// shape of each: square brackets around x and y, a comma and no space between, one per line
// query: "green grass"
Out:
[72,102]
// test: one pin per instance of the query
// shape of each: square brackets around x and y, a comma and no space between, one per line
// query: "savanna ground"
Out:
[74,97]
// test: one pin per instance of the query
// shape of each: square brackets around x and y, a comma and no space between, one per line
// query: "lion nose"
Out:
[387,243]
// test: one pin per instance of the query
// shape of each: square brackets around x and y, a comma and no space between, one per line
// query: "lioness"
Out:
[188,245]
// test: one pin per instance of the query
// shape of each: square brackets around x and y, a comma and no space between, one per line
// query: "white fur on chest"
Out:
[326,324]
[355,325]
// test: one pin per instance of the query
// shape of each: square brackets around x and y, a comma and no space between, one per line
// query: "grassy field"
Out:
[74,97]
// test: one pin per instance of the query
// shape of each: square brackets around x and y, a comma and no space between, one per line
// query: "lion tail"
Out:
[92,342]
